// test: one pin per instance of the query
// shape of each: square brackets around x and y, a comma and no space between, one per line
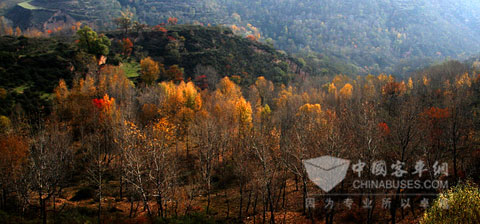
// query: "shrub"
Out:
[460,204]
[84,193]
[5,124]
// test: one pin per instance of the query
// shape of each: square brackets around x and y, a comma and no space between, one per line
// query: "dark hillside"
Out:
[30,69]
[218,52]
[393,36]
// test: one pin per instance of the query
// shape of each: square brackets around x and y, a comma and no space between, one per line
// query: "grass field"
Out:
[27,5]
[131,69]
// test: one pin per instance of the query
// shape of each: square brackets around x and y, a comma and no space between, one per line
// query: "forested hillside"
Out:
[377,36]
[131,139]
[215,52]
[229,111]
[30,67]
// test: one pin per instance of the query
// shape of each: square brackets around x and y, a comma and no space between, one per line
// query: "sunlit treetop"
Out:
[92,43]
[347,91]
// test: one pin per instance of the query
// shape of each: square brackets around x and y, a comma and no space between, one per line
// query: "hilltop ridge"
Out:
[394,36]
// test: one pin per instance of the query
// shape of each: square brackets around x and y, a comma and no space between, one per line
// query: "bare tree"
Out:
[206,135]
[99,155]
[50,160]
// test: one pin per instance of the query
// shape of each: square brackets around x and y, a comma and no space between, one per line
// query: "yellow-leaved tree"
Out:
[181,104]
[243,111]
[231,109]
[460,204]
[149,70]
[346,91]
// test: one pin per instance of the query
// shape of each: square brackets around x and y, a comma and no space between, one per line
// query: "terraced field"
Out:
[35,13]
[27,5]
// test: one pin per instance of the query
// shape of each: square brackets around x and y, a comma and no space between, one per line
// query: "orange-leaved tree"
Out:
[13,157]
[172,21]
[127,47]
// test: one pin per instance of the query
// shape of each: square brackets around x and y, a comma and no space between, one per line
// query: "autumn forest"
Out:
[183,122]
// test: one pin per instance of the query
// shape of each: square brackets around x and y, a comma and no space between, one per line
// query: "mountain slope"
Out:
[48,14]
[376,35]
[31,67]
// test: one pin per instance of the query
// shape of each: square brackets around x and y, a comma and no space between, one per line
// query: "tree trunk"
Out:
[54,210]
[393,210]
[228,204]
[304,195]
[329,218]
[99,218]
[296,182]
[131,207]
[121,187]
[270,200]
[149,212]
[370,212]
[284,193]
[402,211]
[176,208]
[186,144]
[160,205]
[454,141]
[455,172]
[4,198]
[241,201]
[310,214]
[43,210]
[264,208]
[248,202]
[255,206]
[136,209]
[208,196]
